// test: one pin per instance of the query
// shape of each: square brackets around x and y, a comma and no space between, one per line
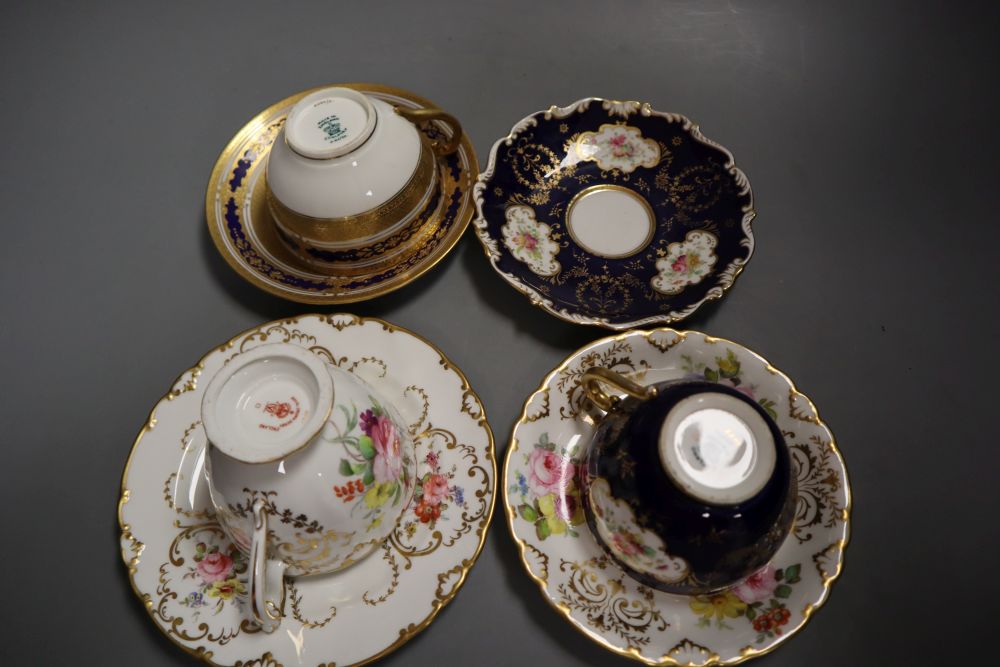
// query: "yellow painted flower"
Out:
[730,366]
[226,589]
[720,605]
[547,505]
[556,525]
[378,495]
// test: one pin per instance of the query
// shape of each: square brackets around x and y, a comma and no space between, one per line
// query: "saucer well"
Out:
[244,233]
[546,518]
[614,214]
[193,581]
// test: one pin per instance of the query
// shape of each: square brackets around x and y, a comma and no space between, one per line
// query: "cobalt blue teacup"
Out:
[688,484]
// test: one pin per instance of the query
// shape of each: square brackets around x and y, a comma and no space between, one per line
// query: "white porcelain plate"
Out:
[590,590]
[193,581]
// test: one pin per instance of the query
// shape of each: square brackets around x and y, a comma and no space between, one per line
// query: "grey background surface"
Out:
[868,131]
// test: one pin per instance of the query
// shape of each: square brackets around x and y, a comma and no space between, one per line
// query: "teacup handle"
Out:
[593,378]
[417,116]
[265,575]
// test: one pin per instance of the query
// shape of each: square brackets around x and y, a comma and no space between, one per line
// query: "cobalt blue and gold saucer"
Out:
[244,232]
[613,214]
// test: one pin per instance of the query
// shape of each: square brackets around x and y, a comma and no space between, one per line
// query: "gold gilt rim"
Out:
[394,283]
[611,187]
[747,652]
[411,630]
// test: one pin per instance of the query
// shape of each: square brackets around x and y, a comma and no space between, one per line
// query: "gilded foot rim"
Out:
[244,234]
[193,583]
[591,591]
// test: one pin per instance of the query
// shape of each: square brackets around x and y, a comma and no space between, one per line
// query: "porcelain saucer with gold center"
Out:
[193,580]
[241,223]
[588,588]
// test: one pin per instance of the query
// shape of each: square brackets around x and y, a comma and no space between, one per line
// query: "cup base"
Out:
[267,403]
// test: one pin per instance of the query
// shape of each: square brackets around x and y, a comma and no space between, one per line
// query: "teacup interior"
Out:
[264,408]
[717,448]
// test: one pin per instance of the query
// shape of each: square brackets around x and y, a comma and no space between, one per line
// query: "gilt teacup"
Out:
[308,468]
[688,485]
[351,181]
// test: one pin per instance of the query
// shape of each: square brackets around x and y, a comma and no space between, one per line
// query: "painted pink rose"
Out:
[680,264]
[624,544]
[215,567]
[742,388]
[435,489]
[620,146]
[549,472]
[758,587]
[528,242]
[388,460]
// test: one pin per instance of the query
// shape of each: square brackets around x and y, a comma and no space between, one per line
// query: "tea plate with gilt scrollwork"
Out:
[614,214]
[244,233]
[193,581]
[576,575]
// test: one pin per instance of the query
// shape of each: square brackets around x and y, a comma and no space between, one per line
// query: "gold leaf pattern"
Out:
[389,557]
[686,652]
[266,660]
[542,409]
[616,357]
[168,496]
[819,487]
[807,414]
[295,602]
[606,605]
[540,559]
[828,562]
[186,437]
[414,428]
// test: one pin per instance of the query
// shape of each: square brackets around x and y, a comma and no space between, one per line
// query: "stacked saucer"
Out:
[341,194]
[195,574]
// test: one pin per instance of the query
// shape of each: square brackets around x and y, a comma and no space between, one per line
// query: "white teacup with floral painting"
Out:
[308,468]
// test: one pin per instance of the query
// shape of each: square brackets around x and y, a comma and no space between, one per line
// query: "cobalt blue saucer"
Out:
[613,214]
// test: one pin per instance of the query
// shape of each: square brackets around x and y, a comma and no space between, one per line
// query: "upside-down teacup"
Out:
[351,181]
[308,468]
[688,484]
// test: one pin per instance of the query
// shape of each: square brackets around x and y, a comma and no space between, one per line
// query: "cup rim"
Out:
[218,436]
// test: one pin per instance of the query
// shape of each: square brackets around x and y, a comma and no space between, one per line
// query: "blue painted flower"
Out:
[458,494]
[195,599]
[522,484]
